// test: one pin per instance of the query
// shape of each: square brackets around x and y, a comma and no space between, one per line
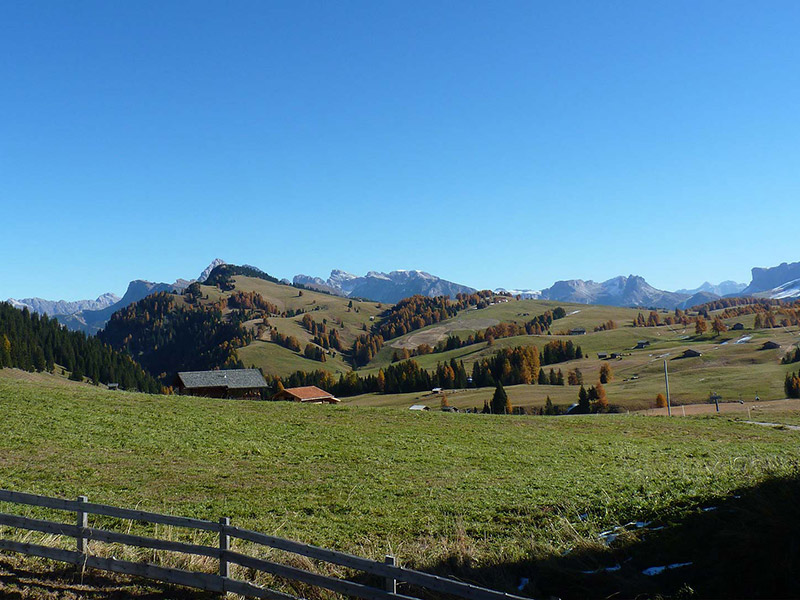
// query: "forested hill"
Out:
[35,342]
[167,334]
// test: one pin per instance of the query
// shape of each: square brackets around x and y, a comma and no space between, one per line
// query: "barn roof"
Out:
[308,392]
[227,378]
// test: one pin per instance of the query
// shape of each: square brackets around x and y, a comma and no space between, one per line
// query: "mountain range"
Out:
[726,288]
[384,287]
[781,282]
[64,307]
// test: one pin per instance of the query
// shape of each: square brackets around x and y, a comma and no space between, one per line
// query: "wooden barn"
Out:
[225,383]
[308,393]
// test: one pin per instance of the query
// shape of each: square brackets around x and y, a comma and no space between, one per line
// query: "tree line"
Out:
[34,342]
[222,275]
[509,366]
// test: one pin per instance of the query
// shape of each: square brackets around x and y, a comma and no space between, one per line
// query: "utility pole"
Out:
[666,380]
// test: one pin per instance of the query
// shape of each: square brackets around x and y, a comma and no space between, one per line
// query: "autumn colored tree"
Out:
[5,352]
[606,374]
[718,326]
[601,401]
[381,380]
[759,322]
[661,401]
[700,326]
[792,385]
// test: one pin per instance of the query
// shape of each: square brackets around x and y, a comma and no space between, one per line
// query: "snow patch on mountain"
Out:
[385,287]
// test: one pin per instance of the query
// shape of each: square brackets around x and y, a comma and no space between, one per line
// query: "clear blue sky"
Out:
[493,144]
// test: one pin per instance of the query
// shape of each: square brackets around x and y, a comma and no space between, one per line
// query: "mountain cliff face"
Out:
[618,291]
[207,271]
[63,307]
[385,287]
[766,280]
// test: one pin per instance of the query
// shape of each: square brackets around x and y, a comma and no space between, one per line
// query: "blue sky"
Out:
[494,144]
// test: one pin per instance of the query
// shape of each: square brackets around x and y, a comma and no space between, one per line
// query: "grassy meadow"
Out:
[488,498]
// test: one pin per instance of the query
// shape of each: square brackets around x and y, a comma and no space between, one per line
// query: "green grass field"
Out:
[484,497]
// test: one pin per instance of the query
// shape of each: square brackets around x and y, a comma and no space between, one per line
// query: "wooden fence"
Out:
[221,582]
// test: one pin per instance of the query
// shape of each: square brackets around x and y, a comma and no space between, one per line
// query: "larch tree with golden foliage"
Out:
[700,326]
[606,374]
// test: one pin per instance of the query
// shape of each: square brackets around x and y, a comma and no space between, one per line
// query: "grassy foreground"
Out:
[491,498]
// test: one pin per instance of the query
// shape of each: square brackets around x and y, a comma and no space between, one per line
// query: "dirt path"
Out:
[434,334]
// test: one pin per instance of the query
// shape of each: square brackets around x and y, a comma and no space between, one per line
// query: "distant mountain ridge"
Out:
[523,294]
[725,288]
[384,287]
[53,308]
[618,291]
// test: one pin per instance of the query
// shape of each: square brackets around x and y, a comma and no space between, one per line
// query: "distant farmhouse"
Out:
[226,383]
[737,327]
[690,353]
[770,345]
[577,331]
[642,344]
[309,394]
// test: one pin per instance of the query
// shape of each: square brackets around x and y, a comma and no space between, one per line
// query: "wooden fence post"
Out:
[83,523]
[224,546]
[391,582]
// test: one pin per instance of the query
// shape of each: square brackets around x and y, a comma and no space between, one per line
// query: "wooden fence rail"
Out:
[220,582]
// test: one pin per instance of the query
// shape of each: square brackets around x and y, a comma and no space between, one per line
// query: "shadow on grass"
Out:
[746,545]
[30,579]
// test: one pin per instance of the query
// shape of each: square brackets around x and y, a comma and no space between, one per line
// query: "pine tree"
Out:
[500,403]
[583,401]
[549,409]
